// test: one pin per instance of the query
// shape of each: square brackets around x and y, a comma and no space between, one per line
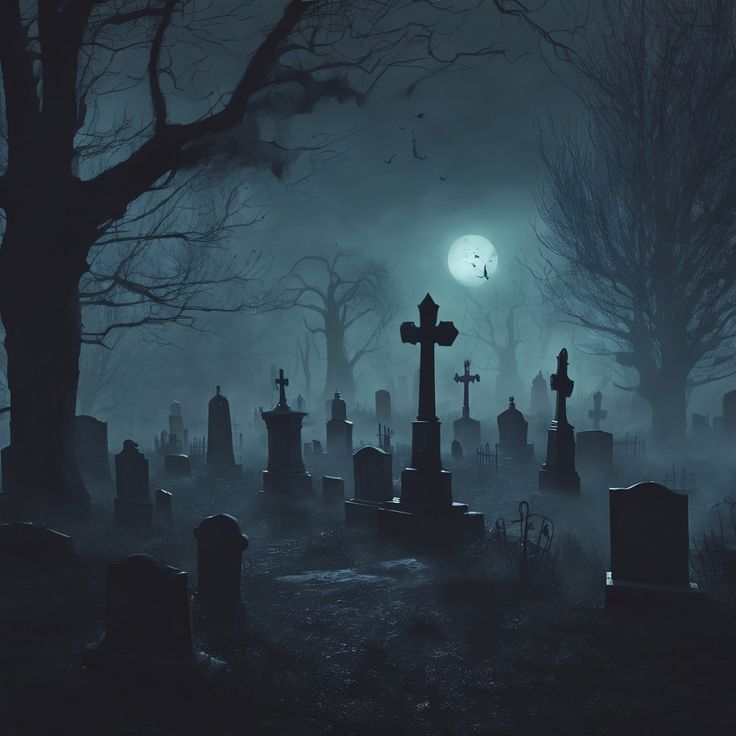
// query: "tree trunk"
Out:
[40,309]
[668,399]
[339,376]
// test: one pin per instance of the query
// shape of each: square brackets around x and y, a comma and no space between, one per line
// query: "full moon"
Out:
[472,260]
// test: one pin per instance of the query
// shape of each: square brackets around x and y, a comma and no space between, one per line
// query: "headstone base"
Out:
[552,480]
[136,667]
[642,596]
[287,484]
[452,523]
[133,514]
[430,488]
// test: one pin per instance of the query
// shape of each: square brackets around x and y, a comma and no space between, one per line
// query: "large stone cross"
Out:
[596,413]
[562,385]
[428,334]
[466,379]
[282,383]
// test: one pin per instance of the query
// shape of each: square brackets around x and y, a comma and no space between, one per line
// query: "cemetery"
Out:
[367,367]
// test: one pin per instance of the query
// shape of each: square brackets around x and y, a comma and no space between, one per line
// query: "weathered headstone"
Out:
[148,631]
[90,446]
[178,465]
[383,406]
[467,430]
[133,506]
[220,547]
[426,506]
[339,431]
[373,479]
[596,413]
[558,473]
[219,432]
[595,450]
[164,505]
[285,473]
[333,490]
[649,547]
[512,435]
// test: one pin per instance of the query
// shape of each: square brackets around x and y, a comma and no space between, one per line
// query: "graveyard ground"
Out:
[341,633]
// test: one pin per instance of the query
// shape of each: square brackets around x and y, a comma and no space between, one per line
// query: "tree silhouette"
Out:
[640,200]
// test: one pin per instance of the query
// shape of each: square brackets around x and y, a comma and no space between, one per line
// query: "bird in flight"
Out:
[389,160]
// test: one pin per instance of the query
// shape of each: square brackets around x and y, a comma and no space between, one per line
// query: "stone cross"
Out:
[428,334]
[596,413]
[562,385]
[282,383]
[466,379]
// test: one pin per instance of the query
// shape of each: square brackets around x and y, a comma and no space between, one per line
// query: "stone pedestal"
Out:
[558,474]
[285,473]
[630,594]
[467,432]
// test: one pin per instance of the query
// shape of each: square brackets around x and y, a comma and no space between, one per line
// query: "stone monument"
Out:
[466,430]
[219,432]
[339,431]
[512,435]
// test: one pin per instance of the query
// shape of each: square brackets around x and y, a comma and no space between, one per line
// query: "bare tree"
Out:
[640,199]
[82,154]
[304,353]
[352,302]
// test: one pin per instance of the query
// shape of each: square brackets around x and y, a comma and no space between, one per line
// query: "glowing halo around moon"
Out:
[472,260]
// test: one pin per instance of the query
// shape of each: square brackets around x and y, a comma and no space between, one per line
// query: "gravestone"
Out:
[456,450]
[164,505]
[220,547]
[333,490]
[133,506]
[540,404]
[426,507]
[558,473]
[219,432]
[649,547]
[466,430]
[373,486]
[285,474]
[176,427]
[300,403]
[512,435]
[178,465]
[383,406]
[595,450]
[148,633]
[90,447]
[339,431]
[596,413]
[27,542]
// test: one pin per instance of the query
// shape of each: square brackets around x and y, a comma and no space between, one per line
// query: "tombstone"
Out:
[512,435]
[649,547]
[729,413]
[285,474]
[596,413]
[383,407]
[300,403]
[219,432]
[339,431]
[27,542]
[426,507]
[132,503]
[90,447]
[373,486]
[466,430]
[595,450]
[220,547]
[148,633]
[176,427]
[164,505]
[178,465]
[540,406]
[558,473]
[333,490]
[456,450]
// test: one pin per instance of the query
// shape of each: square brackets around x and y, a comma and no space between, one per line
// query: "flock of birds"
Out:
[414,146]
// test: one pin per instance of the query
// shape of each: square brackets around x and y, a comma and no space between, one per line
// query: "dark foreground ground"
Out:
[343,634]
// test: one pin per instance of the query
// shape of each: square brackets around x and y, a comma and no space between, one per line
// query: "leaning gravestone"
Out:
[220,547]
[372,473]
[90,446]
[164,505]
[148,631]
[649,547]
[133,506]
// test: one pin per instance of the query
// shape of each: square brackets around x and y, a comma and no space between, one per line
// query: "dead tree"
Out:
[351,301]
[640,200]
[78,162]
